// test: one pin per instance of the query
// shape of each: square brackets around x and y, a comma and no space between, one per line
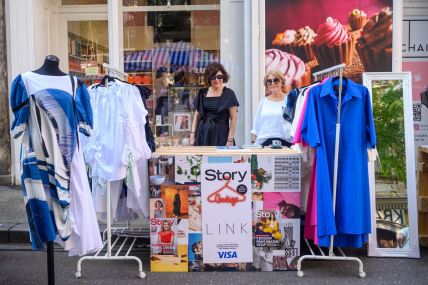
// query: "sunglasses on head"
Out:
[219,77]
[274,81]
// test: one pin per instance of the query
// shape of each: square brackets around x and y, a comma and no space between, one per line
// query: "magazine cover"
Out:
[168,245]
[163,236]
[176,200]
[188,168]
[267,231]
[287,203]
[157,208]
[286,257]
[195,214]
[161,170]
[262,169]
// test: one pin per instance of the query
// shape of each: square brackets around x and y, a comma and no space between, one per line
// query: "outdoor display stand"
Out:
[128,236]
[224,209]
[335,70]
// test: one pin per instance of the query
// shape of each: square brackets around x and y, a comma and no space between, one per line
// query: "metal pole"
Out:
[336,156]
[108,220]
[51,263]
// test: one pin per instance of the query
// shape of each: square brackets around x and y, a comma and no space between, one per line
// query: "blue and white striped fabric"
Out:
[48,120]
[175,55]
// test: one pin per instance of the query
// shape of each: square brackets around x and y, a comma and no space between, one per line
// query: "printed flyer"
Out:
[226,212]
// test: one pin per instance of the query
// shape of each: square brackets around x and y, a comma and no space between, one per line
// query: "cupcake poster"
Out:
[303,38]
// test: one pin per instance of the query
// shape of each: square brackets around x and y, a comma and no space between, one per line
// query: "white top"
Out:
[269,122]
[119,136]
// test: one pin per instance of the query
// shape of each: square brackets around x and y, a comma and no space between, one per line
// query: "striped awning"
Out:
[174,55]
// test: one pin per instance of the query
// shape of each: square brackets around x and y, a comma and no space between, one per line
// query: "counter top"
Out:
[214,151]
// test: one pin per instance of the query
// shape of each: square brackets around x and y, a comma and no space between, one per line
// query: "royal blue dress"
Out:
[351,223]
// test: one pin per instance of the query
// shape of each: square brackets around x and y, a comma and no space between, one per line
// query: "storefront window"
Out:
[87,48]
[168,2]
[83,2]
[166,53]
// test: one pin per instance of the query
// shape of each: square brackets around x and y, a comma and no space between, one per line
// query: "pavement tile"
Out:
[4,231]
[19,234]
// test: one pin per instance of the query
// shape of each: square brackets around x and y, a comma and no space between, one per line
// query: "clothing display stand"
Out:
[332,71]
[120,232]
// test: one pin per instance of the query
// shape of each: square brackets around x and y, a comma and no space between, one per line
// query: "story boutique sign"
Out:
[226,212]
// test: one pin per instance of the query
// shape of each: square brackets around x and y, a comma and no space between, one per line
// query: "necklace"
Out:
[215,93]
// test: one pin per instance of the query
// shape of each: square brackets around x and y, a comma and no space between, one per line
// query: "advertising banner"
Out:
[226,212]
[415,60]
[303,37]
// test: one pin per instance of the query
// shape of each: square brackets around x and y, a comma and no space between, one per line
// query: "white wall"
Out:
[232,56]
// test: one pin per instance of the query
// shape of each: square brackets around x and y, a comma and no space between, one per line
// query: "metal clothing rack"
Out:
[332,71]
[119,232]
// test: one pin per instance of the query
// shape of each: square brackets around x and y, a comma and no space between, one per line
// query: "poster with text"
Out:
[306,36]
[415,60]
[226,212]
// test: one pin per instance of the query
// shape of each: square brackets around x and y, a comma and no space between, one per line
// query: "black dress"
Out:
[213,126]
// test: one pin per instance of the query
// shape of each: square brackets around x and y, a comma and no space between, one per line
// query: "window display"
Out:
[167,52]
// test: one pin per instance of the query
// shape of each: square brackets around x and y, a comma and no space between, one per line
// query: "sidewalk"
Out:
[13,217]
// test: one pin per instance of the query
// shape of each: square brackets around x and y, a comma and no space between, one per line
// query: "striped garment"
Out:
[48,120]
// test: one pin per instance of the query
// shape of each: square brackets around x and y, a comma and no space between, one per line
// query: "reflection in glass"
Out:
[166,54]
[83,2]
[87,49]
[391,190]
[165,2]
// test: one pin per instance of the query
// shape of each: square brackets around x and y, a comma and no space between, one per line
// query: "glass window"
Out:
[167,52]
[83,2]
[165,2]
[87,48]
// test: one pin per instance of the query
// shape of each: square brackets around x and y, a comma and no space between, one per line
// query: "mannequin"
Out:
[50,67]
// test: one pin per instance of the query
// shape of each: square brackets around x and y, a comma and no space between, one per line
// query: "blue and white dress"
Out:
[49,111]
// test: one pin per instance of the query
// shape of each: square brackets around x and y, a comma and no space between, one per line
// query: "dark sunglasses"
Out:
[219,77]
[274,81]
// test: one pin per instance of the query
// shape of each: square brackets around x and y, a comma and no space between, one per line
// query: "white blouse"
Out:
[269,122]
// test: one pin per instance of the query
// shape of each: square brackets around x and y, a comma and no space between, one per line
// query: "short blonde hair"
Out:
[275,73]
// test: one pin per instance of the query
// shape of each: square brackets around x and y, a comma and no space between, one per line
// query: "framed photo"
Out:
[392,175]
[182,122]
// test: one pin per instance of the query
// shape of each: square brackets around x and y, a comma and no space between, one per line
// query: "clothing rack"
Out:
[107,234]
[332,71]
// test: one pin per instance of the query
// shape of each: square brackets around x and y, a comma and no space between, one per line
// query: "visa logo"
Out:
[227,254]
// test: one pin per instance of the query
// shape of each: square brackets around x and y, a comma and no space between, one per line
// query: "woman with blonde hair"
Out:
[269,124]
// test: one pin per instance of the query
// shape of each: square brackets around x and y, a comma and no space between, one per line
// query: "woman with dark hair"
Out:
[177,205]
[216,110]
[158,211]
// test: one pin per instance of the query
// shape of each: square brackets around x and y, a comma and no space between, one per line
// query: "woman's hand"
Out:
[229,143]
[253,138]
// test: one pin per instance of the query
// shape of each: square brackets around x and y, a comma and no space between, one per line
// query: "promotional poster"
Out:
[226,212]
[328,32]
[415,60]
[163,236]
[176,200]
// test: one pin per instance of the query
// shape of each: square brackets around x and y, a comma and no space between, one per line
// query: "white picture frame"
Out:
[387,248]
[182,122]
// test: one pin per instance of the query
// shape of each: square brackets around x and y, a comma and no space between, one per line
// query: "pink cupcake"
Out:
[296,72]
[333,44]
[284,39]
[301,46]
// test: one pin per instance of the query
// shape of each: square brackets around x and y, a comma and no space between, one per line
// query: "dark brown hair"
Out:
[211,70]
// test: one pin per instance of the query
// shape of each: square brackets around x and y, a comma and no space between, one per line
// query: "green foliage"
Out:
[389,121]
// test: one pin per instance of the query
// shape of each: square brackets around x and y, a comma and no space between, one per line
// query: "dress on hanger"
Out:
[49,111]
[351,222]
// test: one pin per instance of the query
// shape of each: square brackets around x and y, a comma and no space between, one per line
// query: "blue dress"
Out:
[48,119]
[351,224]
